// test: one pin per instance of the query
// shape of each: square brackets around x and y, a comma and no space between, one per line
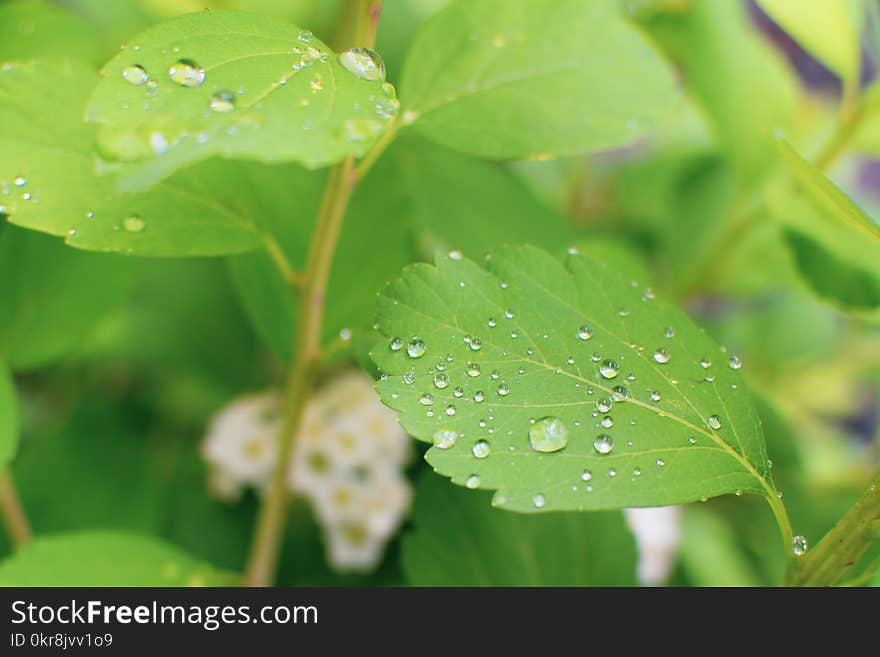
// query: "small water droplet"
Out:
[133,224]
[503,390]
[669,332]
[475,344]
[714,421]
[305,37]
[223,101]
[603,405]
[508,314]
[135,75]
[450,410]
[799,545]
[20,181]
[660,463]
[396,344]
[586,475]
[609,369]
[473,369]
[619,393]
[363,63]
[607,422]
[187,73]
[692,440]
[445,438]
[661,356]
[637,472]
[71,232]
[612,473]
[441,380]
[549,434]
[416,348]
[479,396]
[735,362]
[492,323]
[472,482]
[705,363]
[585,332]
[426,399]
[481,449]
[655,396]
[408,378]
[603,444]
[539,501]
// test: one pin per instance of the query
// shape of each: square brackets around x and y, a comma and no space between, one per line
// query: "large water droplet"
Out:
[416,348]
[135,75]
[363,63]
[603,444]
[187,73]
[714,421]
[662,356]
[223,101]
[799,545]
[481,449]
[445,438]
[609,369]
[549,434]
[133,224]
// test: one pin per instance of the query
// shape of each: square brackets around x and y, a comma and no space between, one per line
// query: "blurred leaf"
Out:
[710,554]
[699,438]
[52,296]
[743,83]
[501,79]
[835,245]
[463,203]
[619,255]
[8,417]
[105,558]
[30,30]
[459,540]
[830,30]
[275,97]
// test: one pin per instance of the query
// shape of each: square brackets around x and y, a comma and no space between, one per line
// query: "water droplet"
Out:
[612,473]
[623,312]
[473,369]
[445,438]
[416,348]
[660,463]
[569,360]
[637,472]
[363,63]
[603,405]
[472,482]
[735,362]
[396,344]
[607,422]
[187,73]
[609,369]
[408,378]
[481,449]
[603,443]
[475,344]
[661,356]
[133,224]
[20,181]
[71,232]
[450,410]
[585,332]
[479,396]
[705,362]
[508,314]
[492,323]
[495,375]
[223,101]
[539,501]
[316,84]
[799,545]
[669,332]
[305,37]
[426,399]
[345,334]
[655,396]
[503,390]
[549,434]
[586,475]
[135,75]
[714,421]
[692,440]
[441,380]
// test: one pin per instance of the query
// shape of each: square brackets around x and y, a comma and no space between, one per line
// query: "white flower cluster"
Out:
[657,532]
[348,460]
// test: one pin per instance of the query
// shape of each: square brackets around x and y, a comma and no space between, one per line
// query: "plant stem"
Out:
[268,535]
[11,511]
[840,548]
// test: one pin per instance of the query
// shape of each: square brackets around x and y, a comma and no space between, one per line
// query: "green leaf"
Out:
[710,553]
[105,558]
[836,246]
[245,87]
[8,417]
[457,539]
[52,296]
[40,30]
[49,182]
[701,438]
[829,30]
[502,79]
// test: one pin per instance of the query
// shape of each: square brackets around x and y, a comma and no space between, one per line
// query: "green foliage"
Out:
[457,539]
[42,30]
[520,79]
[8,417]
[569,343]
[101,558]
[235,85]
